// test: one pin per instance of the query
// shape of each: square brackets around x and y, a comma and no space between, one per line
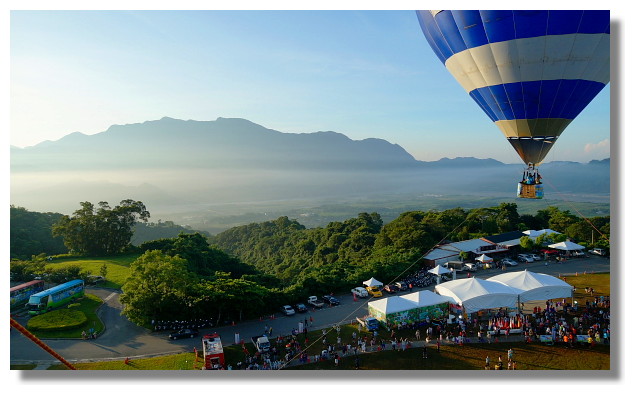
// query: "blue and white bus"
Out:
[59,295]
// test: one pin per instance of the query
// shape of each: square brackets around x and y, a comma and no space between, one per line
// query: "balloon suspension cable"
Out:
[531,175]
[34,339]
[602,235]
[364,304]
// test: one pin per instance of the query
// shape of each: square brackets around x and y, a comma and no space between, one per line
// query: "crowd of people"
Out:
[555,321]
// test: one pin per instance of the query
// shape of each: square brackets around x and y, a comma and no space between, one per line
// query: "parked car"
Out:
[535,257]
[301,308]
[598,251]
[183,333]
[374,291]
[391,289]
[471,267]
[287,310]
[94,280]
[332,300]
[359,292]
[509,261]
[315,302]
[401,286]
[525,258]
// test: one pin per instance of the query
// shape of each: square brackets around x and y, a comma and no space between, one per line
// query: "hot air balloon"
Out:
[531,72]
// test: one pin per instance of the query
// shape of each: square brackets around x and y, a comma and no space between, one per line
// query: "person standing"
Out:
[418,334]
[487,362]
[425,352]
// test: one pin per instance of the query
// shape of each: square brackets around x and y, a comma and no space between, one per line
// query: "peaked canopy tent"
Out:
[373,283]
[535,286]
[439,270]
[475,294]
[484,259]
[567,246]
[414,307]
[536,233]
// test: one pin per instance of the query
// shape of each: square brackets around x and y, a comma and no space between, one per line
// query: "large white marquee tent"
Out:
[535,286]
[567,246]
[412,307]
[475,294]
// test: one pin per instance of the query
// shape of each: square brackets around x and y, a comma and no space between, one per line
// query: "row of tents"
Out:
[562,246]
[505,290]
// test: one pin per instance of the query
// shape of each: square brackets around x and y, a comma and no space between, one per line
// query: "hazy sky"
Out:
[361,73]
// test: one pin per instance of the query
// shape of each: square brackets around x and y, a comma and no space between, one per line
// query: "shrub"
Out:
[62,319]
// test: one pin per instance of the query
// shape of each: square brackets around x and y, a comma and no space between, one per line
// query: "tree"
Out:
[103,270]
[100,230]
[157,288]
[527,243]
[31,234]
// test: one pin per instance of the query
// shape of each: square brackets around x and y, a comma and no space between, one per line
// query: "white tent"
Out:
[373,283]
[475,294]
[413,307]
[536,233]
[426,298]
[392,304]
[535,286]
[439,270]
[484,259]
[566,246]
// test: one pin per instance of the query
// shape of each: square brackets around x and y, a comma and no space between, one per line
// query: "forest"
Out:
[247,270]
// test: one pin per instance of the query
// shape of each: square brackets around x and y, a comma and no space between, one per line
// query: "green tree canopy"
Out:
[157,288]
[100,230]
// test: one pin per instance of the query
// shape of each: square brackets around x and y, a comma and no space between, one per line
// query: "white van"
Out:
[359,292]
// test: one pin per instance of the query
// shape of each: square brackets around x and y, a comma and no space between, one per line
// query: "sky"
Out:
[365,74]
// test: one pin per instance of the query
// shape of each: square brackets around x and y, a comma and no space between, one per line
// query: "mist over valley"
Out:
[212,175]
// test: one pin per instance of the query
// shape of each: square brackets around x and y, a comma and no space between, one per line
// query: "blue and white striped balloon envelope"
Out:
[532,72]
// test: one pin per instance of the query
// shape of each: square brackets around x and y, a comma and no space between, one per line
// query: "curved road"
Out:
[123,339]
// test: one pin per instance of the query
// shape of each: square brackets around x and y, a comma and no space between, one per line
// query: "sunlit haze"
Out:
[360,73]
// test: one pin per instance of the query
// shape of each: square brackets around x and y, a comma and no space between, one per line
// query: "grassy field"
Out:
[88,305]
[468,357]
[118,267]
[472,357]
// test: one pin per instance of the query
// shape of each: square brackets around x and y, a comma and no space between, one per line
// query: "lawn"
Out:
[472,357]
[454,357]
[184,361]
[118,267]
[88,305]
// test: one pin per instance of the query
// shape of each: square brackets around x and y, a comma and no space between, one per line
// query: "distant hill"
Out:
[236,143]
[196,166]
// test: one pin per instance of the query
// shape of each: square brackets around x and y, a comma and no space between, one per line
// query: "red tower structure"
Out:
[213,352]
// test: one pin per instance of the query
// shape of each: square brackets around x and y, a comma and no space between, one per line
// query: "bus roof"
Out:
[20,286]
[56,288]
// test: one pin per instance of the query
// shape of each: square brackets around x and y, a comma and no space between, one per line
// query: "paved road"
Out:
[123,339]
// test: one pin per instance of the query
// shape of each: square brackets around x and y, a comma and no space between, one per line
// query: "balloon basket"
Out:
[529,191]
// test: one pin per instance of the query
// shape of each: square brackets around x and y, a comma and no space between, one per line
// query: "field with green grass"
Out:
[472,357]
[57,321]
[469,357]
[118,267]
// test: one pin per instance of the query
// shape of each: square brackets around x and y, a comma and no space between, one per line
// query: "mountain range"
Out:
[183,165]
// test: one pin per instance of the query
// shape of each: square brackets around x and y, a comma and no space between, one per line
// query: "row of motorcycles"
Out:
[174,325]
[421,279]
